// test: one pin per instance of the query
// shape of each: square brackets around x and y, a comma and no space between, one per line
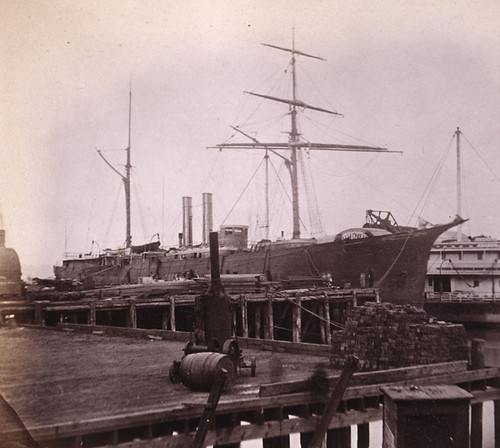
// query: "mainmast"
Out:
[126,177]
[294,143]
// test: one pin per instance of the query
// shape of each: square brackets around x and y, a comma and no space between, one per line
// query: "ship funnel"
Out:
[207,217]
[187,220]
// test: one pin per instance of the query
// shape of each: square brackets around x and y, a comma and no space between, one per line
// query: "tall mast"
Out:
[126,178]
[459,184]
[294,138]
[294,143]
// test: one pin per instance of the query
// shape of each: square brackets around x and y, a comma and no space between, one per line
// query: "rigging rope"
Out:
[312,199]
[481,158]
[139,207]
[110,222]
[243,192]
[321,318]
[431,185]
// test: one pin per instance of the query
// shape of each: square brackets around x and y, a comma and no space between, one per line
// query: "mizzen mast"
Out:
[294,141]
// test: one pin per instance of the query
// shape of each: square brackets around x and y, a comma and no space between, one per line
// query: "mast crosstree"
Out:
[294,142]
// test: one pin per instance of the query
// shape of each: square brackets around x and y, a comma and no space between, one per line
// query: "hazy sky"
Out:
[403,74]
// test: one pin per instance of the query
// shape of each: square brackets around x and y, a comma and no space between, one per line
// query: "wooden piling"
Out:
[244,314]
[39,314]
[172,313]
[477,362]
[363,435]
[275,442]
[476,431]
[269,319]
[477,353]
[496,418]
[257,320]
[297,319]
[322,327]
[165,317]
[326,306]
[132,317]
[339,438]
[92,313]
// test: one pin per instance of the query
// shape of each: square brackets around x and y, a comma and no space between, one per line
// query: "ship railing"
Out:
[462,296]
[79,256]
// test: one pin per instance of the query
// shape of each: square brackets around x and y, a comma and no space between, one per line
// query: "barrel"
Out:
[198,370]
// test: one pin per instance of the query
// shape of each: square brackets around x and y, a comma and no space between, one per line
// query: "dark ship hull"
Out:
[394,263]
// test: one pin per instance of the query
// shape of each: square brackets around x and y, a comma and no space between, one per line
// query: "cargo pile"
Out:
[387,336]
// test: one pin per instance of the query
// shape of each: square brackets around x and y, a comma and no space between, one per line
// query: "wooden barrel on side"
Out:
[198,370]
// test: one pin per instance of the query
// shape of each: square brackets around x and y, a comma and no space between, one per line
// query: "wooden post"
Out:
[280,441]
[297,319]
[39,314]
[476,431]
[244,314]
[165,316]
[228,422]
[92,313]
[363,435]
[132,314]
[477,353]
[269,319]
[477,362]
[172,313]
[326,306]
[333,402]
[210,407]
[234,323]
[322,326]
[496,415]
[257,320]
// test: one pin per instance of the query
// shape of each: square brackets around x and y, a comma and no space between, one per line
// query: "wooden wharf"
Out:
[90,386]
[295,315]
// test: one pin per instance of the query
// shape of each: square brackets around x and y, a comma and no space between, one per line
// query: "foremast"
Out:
[294,143]
[125,178]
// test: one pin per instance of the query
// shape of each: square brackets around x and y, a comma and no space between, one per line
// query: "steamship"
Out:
[379,254]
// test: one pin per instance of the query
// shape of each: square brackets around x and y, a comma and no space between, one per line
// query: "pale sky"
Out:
[403,74]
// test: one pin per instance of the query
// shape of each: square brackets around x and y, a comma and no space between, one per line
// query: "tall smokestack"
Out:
[2,238]
[207,217]
[187,220]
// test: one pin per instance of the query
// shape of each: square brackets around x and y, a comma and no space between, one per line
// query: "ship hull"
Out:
[395,264]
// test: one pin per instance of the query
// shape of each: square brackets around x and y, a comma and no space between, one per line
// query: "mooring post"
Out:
[210,407]
[297,319]
[322,326]
[244,315]
[477,362]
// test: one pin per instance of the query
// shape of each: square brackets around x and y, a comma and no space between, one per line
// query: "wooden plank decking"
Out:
[81,389]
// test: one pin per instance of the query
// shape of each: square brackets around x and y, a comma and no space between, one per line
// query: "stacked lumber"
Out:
[387,336]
